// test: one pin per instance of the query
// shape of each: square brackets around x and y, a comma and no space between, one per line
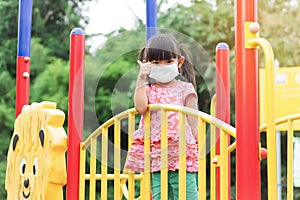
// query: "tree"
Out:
[51,22]
[110,76]
[8,33]
[280,21]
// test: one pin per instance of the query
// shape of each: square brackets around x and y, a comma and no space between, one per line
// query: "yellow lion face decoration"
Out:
[36,167]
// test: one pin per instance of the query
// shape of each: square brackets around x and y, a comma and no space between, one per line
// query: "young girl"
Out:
[161,61]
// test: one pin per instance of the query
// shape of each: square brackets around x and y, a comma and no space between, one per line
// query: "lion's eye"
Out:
[35,166]
[23,166]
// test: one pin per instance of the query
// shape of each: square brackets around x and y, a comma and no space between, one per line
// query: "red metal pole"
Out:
[222,101]
[22,83]
[247,107]
[75,112]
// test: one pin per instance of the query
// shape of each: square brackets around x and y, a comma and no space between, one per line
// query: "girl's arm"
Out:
[140,96]
[191,102]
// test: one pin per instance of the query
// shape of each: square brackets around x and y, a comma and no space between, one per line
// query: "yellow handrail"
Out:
[290,154]
[202,159]
[120,178]
[281,120]
[117,160]
[182,156]
[147,182]
[253,41]
[221,160]
[164,155]
[224,165]
[104,162]
[82,172]
[108,123]
[213,151]
[204,116]
[286,120]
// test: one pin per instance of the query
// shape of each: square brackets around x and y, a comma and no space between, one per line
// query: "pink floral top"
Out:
[174,94]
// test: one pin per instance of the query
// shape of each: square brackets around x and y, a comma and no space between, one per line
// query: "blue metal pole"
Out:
[151,18]
[24,32]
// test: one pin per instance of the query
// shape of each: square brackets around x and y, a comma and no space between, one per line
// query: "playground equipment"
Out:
[23,55]
[36,167]
[111,160]
[247,132]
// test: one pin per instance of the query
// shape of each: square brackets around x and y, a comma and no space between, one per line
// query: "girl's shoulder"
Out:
[185,84]
[187,88]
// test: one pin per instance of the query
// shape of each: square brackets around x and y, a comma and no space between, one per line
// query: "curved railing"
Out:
[97,177]
[215,159]
[288,120]
[125,182]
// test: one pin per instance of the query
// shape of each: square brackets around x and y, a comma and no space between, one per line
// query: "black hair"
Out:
[166,47]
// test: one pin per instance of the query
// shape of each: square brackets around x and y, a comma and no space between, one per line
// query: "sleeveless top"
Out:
[157,94]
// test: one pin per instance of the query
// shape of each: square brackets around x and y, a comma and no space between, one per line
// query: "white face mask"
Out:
[164,73]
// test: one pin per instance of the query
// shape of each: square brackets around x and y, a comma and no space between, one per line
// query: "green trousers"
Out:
[173,184]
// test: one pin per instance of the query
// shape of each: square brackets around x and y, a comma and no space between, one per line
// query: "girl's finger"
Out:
[139,62]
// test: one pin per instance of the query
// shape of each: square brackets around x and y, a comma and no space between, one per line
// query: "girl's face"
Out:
[168,61]
[163,62]
[165,71]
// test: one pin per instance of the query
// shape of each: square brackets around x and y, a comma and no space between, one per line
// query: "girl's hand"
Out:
[140,97]
[144,69]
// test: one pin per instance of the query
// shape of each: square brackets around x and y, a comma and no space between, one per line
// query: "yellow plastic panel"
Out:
[36,167]
[286,92]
